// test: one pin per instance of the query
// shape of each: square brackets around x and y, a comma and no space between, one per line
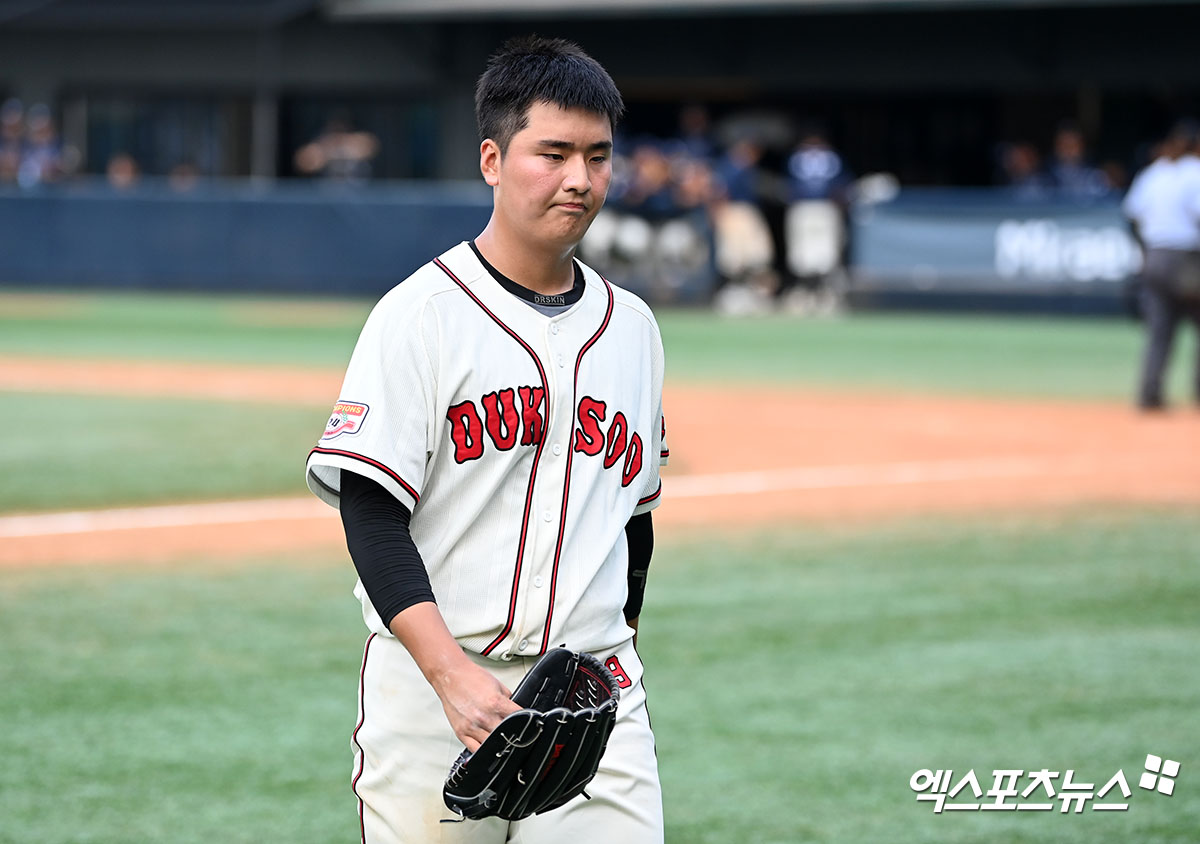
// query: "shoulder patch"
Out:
[347,418]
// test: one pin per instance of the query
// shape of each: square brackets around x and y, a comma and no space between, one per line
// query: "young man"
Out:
[495,455]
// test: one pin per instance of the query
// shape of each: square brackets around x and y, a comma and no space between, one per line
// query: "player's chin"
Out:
[569,226]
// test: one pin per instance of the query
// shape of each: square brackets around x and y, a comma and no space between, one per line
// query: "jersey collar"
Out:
[521,292]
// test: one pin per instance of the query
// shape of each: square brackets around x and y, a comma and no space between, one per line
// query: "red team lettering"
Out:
[588,438]
[500,410]
[633,460]
[614,665]
[466,430]
[510,413]
[532,399]
[616,440]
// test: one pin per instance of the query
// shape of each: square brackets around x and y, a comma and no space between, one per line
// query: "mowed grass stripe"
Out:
[956,354]
[71,452]
[797,679]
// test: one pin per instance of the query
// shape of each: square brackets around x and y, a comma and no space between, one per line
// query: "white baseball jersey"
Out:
[521,442]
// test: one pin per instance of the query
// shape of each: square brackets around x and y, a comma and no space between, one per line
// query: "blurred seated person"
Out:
[184,176]
[815,225]
[42,156]
[1021,171]
[650,191]
[1071,175]
[739,172]
[816,171]
[12,139]
[122,171]
[338,153]
[695,185]
[695,136]
[745,244]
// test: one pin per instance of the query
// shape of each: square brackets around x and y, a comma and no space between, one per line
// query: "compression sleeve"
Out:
[377,536]
[639,535]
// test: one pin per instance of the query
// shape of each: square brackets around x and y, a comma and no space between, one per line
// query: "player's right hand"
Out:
[475,702]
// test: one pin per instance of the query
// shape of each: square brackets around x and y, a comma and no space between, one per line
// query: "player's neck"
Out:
[549,272]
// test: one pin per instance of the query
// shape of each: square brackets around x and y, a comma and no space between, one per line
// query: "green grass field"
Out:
[798,676]
[975,355]
[797,680]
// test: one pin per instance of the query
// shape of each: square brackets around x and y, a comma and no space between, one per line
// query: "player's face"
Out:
[553,178]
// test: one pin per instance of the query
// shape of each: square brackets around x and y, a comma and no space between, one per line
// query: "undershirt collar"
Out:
[549,305]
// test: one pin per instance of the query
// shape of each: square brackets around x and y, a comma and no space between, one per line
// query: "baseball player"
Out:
[495,455]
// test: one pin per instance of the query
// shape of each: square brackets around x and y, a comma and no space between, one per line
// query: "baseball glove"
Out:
[546,753]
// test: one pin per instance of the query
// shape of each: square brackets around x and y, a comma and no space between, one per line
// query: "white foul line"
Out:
[679,486]
[864,475]
[175,515]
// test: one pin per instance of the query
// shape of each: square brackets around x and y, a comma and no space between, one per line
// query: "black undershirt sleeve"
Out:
[390,566]
[639,535]
[377,536]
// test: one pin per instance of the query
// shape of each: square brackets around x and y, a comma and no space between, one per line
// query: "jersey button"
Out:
[524,644]
[547,515]
[554,328]
[537,581]
[557,449]
[561,361]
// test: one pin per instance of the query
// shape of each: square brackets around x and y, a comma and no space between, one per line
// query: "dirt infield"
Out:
[740,456]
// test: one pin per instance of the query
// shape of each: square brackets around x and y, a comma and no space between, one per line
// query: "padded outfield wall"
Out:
[924,248]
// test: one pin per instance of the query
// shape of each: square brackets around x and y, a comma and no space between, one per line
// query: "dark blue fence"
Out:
[233,237]
[922,248]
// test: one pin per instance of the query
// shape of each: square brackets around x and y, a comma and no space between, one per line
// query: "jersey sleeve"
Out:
[380,425]
[657,451]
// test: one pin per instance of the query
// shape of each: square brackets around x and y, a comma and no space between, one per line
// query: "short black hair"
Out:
[530,70]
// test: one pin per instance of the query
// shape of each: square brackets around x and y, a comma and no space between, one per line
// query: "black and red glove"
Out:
[544,755]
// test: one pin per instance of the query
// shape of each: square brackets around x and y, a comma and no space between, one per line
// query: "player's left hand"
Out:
[546,753]
[475,702]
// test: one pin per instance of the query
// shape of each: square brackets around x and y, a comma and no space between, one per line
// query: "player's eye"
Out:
[552,156]
[599,159]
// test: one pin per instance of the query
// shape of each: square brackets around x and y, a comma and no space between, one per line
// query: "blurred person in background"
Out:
[1163,205]
[122,171]
[815,170]
[1071,174]
[184,176]
[650,190]
[695,133]
[1021,172]
[1116,174]
[695,185]
[339,153]
[12,139]
[744,245]
[816,224]
[740,173]
[42,157]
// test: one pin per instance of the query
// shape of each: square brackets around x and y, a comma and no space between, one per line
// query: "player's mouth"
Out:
[573,207]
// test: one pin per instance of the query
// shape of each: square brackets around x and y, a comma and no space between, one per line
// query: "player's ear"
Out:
[489,161]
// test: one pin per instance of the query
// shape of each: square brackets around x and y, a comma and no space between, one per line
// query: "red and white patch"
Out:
[347,418]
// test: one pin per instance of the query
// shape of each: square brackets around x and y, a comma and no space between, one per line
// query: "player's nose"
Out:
[576,176]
